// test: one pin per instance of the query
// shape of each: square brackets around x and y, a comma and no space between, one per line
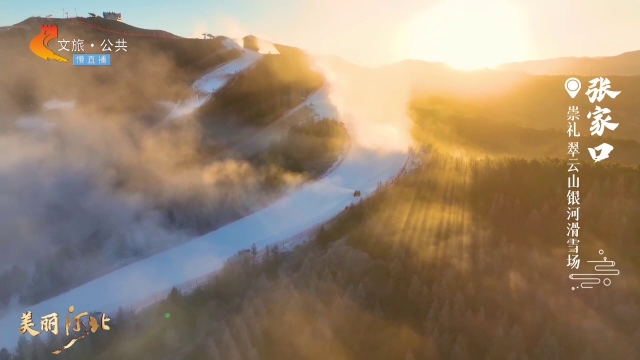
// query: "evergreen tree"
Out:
[415,289]
[360,294]
[5,354]
[534,221]
[254,254]
[588,354]
[39,350]
[212,350]
[460,350]
[23,351]
[516,339]
[241,333]
[378,310]
[409,356]
[548,347]
[171,338]
[230,347]
[175,297]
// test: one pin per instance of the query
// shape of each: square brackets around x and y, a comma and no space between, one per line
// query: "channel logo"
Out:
[39,44]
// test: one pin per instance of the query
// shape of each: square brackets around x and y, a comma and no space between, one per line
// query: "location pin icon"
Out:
[572,85]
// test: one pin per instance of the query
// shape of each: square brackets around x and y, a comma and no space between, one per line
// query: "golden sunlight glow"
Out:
[467,34]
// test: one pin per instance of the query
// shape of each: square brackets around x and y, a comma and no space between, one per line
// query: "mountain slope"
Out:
[278,83]
[111,25]
[265,91]
[174,62]
[98,120]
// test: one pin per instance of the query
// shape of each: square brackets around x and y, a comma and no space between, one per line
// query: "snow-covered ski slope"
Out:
[321,105]
[363,168]
[183,108]
[212,82]
[312,204]
[221,75]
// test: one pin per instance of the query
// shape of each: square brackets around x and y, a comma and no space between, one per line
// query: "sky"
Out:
[463,33]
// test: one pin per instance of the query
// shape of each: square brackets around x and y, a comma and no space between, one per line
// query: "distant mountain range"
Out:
[627,64]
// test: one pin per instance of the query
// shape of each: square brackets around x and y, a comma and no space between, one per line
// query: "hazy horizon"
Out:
[384,32]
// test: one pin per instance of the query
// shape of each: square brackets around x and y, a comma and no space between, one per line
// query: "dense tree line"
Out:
[474,133]
[262,93]
[13,281]
[307,150]
[535,102]
[461,259]
[310,147]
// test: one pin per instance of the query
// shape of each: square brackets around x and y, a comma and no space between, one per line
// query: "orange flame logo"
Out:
[39,43]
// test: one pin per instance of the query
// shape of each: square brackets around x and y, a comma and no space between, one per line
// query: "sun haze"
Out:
[467,34]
